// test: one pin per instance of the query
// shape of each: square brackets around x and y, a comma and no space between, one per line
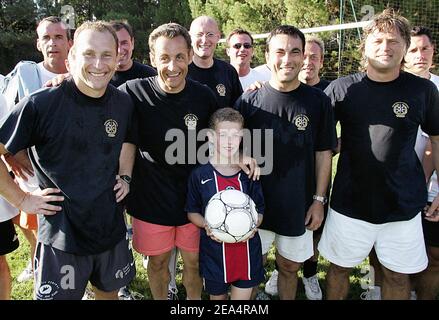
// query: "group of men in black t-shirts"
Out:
[95,148]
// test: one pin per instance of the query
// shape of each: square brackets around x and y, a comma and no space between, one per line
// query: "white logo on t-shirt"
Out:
[111,127]
[205,181]
[301,122]
[400,109]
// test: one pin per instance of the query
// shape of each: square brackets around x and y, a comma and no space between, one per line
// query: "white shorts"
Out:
[297,249]
[399,245]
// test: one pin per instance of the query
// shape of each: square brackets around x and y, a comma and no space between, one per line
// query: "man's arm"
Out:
[20,164]
[8,188]
[427,161]
[314,216]
[126,163]
[38,202]
[432,213]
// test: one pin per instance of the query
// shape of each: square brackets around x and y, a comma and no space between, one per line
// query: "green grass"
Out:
[24,291]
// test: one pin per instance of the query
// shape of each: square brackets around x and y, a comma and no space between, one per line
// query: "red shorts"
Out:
[26,221]
[153,239]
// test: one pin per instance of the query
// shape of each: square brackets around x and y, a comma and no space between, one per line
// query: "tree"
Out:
[260,16]
[18,21]
[173,11]
[17,38]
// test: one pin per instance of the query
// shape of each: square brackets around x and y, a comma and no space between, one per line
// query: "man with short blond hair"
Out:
[54,41]
[313,63]
[80,215]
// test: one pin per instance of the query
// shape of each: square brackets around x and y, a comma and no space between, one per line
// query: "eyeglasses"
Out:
[239,45]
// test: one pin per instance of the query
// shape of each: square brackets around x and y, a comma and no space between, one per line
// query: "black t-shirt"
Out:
[379,178]
[322,84]
[137,71]
[222,78]
[77,141]
[302,123]
[158,188]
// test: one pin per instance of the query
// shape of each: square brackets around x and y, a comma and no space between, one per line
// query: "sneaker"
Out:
[145,262]
[88,294]
[413,295]
[271,284]
[312,288]
[172,293]
[27,274]
[373,293]
[125,294]
[261,295]
[130,233]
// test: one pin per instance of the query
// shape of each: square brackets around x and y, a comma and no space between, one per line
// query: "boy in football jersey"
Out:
[222,265]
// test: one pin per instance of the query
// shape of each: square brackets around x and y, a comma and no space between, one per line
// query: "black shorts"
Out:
[8,237]
[64,276]
[431,231]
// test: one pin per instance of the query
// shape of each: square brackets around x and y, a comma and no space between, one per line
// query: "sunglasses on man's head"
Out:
[239,45]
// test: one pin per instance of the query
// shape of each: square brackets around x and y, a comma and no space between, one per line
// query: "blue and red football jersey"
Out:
[225,262]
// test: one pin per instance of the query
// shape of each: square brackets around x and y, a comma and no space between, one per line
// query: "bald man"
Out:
[218,75]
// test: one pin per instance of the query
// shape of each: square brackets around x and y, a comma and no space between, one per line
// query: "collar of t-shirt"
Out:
[45,74]
[285,93]
[167,94]
[401,77]
[72,89]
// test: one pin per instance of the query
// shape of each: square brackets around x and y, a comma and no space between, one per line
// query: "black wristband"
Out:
[126,178]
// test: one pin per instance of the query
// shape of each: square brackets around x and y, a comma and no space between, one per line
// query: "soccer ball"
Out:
[231,216]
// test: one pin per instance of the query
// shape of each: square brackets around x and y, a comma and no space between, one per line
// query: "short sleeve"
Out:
[237,88]
[255,192]
[18,132]
[431,123]
[326,135]
[193,198]
[132,135]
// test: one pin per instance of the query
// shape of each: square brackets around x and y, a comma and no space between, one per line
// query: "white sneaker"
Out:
[373,293]
[413,295]
[88,294]
[172,293]
[27,274]
[271,284]
[145,260]
[312,288]
[127,294]
[261,295]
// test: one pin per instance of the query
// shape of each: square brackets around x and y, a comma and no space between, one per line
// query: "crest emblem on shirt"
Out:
[400,109]
[221,89]
[111,127]
[191,121]
[301,122]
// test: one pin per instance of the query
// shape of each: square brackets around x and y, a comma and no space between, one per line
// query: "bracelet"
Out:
[22,200]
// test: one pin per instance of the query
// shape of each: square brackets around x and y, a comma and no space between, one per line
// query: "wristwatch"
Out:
[321,199]
[126,178]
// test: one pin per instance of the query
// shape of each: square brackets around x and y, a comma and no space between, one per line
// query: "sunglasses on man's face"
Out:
[239,45]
